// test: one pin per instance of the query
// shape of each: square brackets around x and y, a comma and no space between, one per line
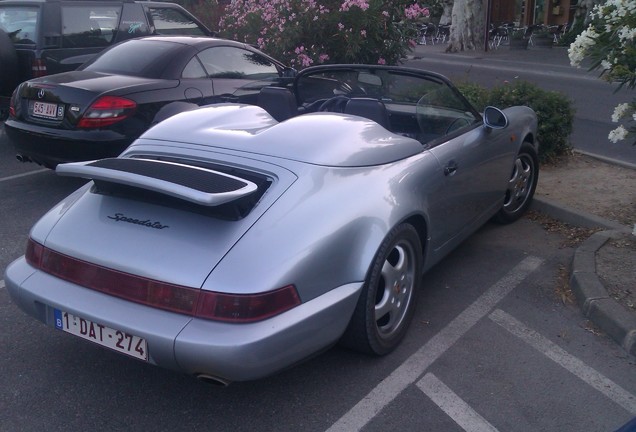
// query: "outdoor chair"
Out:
[497,36]
[443,33]
[428,33]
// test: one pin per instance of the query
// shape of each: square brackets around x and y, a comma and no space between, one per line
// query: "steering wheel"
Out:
[334,104]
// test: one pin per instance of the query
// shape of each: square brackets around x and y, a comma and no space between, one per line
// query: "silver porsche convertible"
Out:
[234,240]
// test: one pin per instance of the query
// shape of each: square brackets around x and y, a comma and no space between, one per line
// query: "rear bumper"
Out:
[233,352]
[49,147]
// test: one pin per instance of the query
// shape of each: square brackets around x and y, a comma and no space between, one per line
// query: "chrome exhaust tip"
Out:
[213,380]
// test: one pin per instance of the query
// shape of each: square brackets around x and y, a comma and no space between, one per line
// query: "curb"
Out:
[593,298]
[596,304]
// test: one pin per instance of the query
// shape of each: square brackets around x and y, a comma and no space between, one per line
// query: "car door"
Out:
[472,158]
[238,74]
[472,163]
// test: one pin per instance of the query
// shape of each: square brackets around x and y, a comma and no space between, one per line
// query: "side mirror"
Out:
[494,118]
[289,72]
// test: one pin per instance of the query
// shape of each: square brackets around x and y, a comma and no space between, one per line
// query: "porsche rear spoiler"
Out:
[197,185]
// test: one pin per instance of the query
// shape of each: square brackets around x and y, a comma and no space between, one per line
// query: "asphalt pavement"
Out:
[591,295]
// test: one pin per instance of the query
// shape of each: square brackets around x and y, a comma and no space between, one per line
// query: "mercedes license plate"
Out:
[100,334]
[47,110]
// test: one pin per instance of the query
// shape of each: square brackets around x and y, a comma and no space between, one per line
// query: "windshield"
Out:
[20,23]
[142,58]
[418,104]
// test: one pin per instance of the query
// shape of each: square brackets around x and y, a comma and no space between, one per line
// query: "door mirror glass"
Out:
[494,118]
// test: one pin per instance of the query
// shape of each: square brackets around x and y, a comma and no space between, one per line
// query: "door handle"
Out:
[451,168]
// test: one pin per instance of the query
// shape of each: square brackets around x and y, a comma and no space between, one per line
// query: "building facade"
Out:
[528,12]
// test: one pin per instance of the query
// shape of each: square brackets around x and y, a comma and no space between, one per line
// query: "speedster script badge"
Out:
[120,217]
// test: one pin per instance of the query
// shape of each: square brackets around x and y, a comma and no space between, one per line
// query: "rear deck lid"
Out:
[160,220]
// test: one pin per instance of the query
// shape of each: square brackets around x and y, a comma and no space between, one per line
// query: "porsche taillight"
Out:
[237,308]
[246,307]
[105,111]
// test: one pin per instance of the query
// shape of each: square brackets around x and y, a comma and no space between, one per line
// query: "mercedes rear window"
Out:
[20,23]
[141,58]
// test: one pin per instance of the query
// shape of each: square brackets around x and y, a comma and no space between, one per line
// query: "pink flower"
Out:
[363,33]
[305,60]
[381,61]
[415,11]
[347,4]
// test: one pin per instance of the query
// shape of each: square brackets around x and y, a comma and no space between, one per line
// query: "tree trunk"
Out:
[467,29]
[446,15]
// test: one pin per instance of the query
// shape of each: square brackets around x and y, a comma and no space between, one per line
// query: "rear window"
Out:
[237,63]
[20,23]
[89,26]
[173,22]
[140,58]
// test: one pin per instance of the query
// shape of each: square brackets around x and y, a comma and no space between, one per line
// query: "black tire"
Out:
[387,301]
[9,68]
[521,186]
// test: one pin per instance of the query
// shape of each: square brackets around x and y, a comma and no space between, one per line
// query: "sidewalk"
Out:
[553,62]
[555,56]
[590,266]
[592,296]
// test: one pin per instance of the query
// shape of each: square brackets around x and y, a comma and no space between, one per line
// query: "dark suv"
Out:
[42,37]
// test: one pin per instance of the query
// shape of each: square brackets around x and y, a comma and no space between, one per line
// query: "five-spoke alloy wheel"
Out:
[521,185]
[387,301]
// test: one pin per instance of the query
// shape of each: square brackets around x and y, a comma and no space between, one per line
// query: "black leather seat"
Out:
[279,102]
[372,109]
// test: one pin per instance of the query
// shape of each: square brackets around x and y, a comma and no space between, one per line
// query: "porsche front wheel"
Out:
[521,186]
[387,302]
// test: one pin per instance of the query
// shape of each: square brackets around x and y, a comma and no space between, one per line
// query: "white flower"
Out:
[618,134]
[583,42]
[619,112]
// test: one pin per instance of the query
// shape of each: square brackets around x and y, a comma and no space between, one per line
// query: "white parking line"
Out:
[409,371]
[13,177]
[555,353]
[466,417]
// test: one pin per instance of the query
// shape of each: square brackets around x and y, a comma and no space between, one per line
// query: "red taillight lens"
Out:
[247,307]
[38,68]
[34,253]
[174,298]
[106,111]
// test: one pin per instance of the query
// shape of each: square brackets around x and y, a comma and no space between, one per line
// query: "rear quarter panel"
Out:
[325,230]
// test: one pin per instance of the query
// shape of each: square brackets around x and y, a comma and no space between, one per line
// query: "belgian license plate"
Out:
[47,110]
[100,334]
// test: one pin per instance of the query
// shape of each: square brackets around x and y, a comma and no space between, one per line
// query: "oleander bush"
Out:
[303,33]
[555,112]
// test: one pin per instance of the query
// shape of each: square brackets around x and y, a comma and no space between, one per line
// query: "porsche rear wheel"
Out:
[387,301]
[521,186]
